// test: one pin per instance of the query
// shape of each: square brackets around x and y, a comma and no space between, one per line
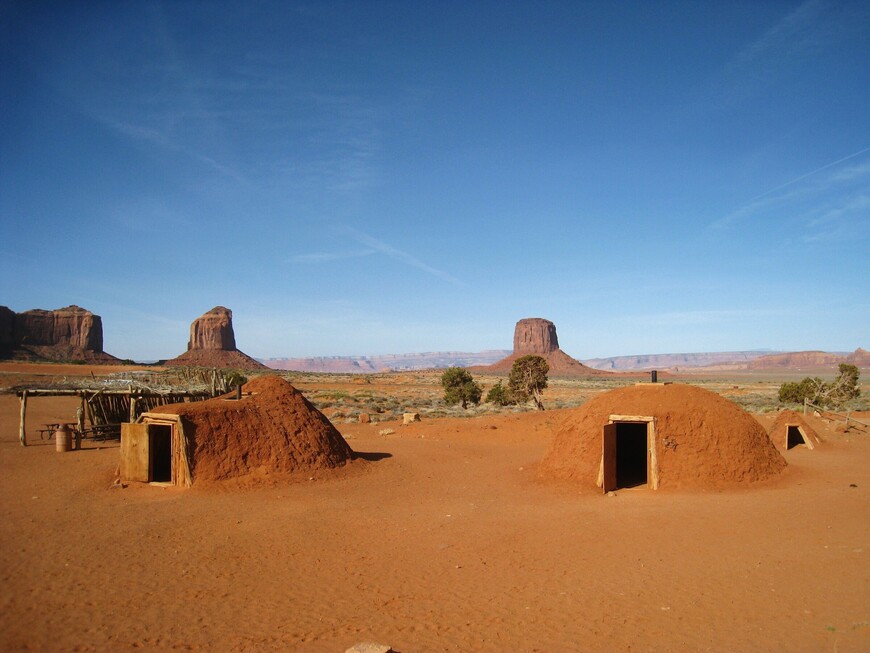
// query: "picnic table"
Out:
[49,428]
[97,432]
[103,432]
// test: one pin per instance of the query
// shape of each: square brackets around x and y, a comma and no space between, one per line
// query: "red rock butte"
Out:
[66,334]
[213,344]
[537,336]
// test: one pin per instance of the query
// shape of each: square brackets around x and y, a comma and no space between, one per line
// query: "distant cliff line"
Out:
[441,360]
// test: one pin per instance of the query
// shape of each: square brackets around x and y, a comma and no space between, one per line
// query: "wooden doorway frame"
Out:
[607,480]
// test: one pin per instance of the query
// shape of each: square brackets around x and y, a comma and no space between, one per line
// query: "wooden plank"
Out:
[134,452]
[608,458]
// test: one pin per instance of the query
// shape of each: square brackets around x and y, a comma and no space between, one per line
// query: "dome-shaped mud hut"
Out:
[272,429]
[660,436]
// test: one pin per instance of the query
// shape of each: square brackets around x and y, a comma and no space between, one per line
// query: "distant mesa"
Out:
[63,335]
[386,362]
[537,336]
[213,344]
[810,359]
[720,360]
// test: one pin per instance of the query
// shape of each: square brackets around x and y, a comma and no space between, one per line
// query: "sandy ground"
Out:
[442,539]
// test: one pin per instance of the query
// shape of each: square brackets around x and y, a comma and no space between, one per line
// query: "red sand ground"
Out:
[443,540]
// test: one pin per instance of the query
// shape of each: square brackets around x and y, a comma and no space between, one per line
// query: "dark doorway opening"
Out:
[160,448]
[795,437]
[631,454]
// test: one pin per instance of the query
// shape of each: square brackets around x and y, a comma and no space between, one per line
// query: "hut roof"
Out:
[779,430]
[272,429]
[702,440]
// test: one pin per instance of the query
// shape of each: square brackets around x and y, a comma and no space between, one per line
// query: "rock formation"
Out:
[859,357]
[213,330]
[213,344]
[808,360]
[537,336]
[67,334]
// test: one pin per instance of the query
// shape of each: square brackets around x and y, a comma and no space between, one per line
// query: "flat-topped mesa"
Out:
[213,331]
[72,326]
[535,335]
[71,333]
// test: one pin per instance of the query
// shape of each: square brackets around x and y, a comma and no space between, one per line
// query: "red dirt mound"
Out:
[561,364]
[702,440]
[223,359]
[272,429]
[779,430]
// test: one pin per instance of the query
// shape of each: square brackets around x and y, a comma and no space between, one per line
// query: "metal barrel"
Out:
[63,438]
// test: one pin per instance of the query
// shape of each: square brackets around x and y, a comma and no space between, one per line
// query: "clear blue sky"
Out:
[391,177]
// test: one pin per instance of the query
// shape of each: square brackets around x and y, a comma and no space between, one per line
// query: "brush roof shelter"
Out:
[660,436]
[271,430]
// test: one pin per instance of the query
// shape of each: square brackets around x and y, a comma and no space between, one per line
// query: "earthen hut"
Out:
[791,430]
[660,436]
[272,429]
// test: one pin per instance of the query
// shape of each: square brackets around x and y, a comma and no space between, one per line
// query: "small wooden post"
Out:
[83,410]
[21,436]
[132,409]
[80,427]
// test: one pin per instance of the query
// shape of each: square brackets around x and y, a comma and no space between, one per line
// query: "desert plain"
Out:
[442,536]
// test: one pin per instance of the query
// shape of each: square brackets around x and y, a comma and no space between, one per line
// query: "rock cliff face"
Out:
[213,331]
[71,333]
[537,336]
[859,357]
[7,328]
[797,360]
[213,344]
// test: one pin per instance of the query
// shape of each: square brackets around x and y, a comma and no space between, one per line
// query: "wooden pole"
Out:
[132,409]
[84,411]
[21,435]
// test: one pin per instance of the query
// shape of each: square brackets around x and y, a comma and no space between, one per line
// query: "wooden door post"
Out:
[22,437]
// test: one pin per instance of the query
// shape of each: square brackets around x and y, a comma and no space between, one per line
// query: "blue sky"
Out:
[390,177]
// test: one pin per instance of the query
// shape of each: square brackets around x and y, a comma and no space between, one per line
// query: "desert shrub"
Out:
[839,391]
[499,395]
[528,378]
[794,392]
[459,387]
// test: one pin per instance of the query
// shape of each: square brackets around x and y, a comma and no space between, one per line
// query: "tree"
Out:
[813,389]
[460,387]
[528,378]
[499,395]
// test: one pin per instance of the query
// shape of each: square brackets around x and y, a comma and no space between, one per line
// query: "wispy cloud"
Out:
[842,220]
[325,257]
[701,317]
[812,27]
[791,33]
[810,186]
[164,141]
[398,255]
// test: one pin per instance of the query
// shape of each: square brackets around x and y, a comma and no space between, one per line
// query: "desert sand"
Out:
[442,536]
